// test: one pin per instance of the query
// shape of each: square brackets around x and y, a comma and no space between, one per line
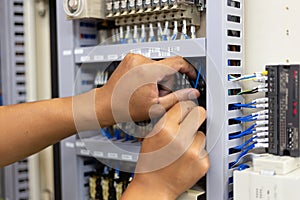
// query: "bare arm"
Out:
[30,127]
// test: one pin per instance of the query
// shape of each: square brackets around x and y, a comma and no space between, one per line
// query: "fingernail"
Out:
[192,95]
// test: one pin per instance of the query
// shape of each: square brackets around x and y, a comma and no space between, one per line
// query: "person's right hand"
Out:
[140,87]
[172,158]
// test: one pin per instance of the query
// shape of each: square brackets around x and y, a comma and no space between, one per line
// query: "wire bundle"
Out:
[259,129]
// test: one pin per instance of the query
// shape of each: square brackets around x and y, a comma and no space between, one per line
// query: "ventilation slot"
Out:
[22,180]
[234,48]
[18,14]
[16,4]
[233,134]
[234,4]
[233,122]
[233,151]
[233,62]
[234,33]
[232,92]
[233,18]
[232,107]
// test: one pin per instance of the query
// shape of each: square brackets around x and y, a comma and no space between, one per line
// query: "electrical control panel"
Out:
[283,95]
[209,37]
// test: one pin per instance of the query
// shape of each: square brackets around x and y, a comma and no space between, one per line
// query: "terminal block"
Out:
[131,12]
[283,95]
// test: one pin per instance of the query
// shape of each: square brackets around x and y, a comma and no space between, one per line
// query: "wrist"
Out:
[148,188]
[103,110]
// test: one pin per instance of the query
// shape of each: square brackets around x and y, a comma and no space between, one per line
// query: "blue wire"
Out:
[248,77]
[174,36]
[164,37]
[243,167]
[152,39]
[241,147]
[117,133]
[241,105]
[247,118]
[250,147]
[105,133]
[198,78]
[248,131]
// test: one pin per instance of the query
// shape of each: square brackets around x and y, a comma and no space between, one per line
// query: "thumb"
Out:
[181,95]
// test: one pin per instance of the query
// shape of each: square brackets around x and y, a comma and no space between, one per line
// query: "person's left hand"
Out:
[172,158]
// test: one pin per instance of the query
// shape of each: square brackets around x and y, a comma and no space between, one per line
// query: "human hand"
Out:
[141,88]
[172,158]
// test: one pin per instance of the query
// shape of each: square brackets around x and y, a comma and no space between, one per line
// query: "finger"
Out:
[201,155]
[192,122]
[171,120]
[136,59]
[181,95]
[180,65]
[178,112]
[199,144]
[167,84]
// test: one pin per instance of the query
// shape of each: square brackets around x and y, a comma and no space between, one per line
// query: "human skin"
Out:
[30,127]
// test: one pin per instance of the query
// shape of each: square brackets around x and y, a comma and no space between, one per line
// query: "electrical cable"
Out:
[198,77]
[250,76]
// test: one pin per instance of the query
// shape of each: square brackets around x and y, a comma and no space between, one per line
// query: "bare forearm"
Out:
[30,127]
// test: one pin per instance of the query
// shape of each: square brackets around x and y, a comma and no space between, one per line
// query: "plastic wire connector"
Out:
[175,31]
[262,79]
[159,32]
[260,100]
[266,105]
[143,34]
[261,140]
[193,32]
[262,90]
[122,39]
[262,123]
[127,34]
[261,129]
[184,31]
[261,145]
[261,117]
[151,33]
[262,134]
[165,32]
[262,112]
[135,34]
